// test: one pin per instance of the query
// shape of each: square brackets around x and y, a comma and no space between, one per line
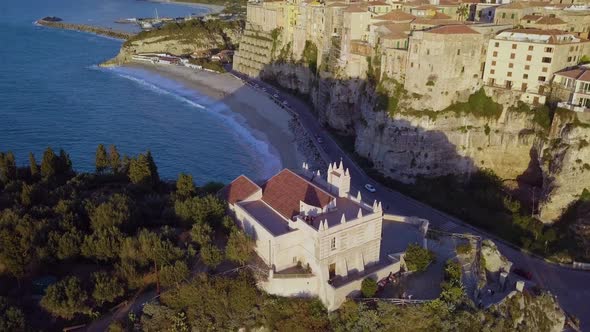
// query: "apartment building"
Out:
[572,88]
[525,60]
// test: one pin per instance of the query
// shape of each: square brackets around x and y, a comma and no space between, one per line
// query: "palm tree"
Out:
[462,11]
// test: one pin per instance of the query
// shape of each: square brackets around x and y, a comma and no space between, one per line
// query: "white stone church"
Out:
[315,236]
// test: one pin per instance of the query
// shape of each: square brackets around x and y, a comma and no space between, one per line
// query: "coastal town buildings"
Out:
[572,87]
[525,60]
[452,48]
[314,234]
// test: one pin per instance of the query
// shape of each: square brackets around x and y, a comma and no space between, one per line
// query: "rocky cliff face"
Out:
[408,144]
[566,164]
[180,39]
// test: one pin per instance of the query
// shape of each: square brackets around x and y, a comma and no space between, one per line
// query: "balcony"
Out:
[574,108]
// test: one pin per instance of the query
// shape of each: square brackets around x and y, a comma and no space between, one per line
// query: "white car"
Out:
[370,188]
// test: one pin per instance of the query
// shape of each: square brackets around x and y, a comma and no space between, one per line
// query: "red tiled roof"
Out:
[531,17]
[239,189]
[428,21]
[356,8]
[426,7]
[395,35]
[284,191]
[440,16]
[581,74]
[377,3]
[395,15]
[550,20]
[453,30]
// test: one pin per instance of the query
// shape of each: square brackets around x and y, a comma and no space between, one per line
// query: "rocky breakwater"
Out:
[192,37]
[56,22]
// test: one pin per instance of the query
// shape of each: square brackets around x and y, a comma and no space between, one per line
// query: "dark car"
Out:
[522,273]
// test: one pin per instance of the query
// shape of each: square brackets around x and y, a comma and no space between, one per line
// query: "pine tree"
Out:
[33,165]
[114,159]
[102,162]
[153,168]
[48,164]
[64,163]
[10,166]
[185,187]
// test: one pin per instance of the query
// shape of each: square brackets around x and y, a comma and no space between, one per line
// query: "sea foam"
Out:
[255,141]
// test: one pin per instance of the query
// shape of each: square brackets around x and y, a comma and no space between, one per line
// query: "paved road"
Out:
[572,287]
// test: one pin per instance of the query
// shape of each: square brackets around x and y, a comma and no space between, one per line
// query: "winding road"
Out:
[571,287]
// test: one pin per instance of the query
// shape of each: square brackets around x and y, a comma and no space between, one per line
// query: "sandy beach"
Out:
[259,112]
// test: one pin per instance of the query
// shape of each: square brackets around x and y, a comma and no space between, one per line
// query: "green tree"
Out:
[7,167]
[114,159]
[208,209]
[143,171]
[11,317]
[66,298]
[49,163]
[201,233]
[240,247]
[211,255]
[185,187]
[103,244]
[418,258]
[101,160]
[462,12]
[33,166]
[171,275]
[18,238]
[369,287]
[115,212]
[66,244]
[64,163]
[28,195]
[107,288]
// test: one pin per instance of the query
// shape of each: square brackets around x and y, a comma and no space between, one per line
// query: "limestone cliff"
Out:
[565,163]
[181,39]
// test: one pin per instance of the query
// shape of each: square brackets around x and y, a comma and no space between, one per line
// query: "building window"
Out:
[544,69]
[512,16]
[496,44]
[492,71]
[527,67]
[512,55]
[546,60]
[571,48]
[495,53]
[531,47]
[459,52]
[569,59]
[333,243]
[529,57]
[513,46]
[509,74]
[541,78]
[511,65]
[548,49]
[525,76]
[494,63]
[503,15]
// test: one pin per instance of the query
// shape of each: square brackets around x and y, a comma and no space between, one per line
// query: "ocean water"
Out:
[53,94]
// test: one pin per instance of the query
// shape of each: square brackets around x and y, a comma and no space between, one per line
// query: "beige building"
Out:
[301,221]
[444,63]
[525,60]
[572,87]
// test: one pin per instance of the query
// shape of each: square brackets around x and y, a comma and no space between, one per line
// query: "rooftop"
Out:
[239,189]
[395,15]
[284,191]
[264,214]
[344,207]
[453,30]
[582,74]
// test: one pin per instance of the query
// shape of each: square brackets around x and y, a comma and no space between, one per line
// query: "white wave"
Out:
[265,154]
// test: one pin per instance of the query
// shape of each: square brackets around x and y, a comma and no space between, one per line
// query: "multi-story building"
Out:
[524,60]
[306,221]
[572,87]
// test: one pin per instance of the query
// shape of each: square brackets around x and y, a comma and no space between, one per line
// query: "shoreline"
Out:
[259,113]
[213,9]
[96,30]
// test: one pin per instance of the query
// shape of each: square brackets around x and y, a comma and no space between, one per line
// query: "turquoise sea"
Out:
[53,94]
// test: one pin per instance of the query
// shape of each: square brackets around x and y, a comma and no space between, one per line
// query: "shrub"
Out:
[369,287]
[464,249]
[417,258]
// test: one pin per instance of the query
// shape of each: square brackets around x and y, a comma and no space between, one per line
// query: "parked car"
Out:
[522,273]
[370,188]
